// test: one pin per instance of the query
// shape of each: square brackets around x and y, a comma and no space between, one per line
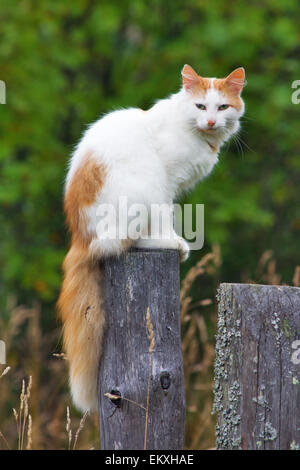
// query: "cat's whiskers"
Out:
[245,117]
[243,142]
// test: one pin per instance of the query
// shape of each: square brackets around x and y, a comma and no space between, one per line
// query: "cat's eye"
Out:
[223,107]
[201,106]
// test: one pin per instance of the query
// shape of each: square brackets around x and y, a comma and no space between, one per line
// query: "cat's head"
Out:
[213,105]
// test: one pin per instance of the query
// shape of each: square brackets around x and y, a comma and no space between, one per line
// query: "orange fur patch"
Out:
[80,308]
[202,86]
[213,147]
[232,98]
[83,189]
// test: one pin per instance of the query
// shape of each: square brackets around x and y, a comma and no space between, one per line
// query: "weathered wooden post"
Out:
[135,282]
[257,369]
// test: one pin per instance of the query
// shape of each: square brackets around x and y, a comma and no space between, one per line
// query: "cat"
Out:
[150,157]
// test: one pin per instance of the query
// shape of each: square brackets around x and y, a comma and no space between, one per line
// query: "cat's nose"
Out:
[211,123]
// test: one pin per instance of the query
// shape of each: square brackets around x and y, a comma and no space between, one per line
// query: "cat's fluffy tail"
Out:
[81,309]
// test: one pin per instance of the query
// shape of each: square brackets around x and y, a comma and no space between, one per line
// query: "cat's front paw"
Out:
[183,248]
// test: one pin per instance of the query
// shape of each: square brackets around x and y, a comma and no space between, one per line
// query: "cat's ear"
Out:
[236,80]
[190,79]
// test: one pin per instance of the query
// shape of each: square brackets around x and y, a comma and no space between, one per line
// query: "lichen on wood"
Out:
[257,396]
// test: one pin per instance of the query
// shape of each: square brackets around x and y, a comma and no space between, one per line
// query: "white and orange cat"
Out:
[149,157]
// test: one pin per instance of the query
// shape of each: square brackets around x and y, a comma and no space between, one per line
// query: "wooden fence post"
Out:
[133,283]
[257,369]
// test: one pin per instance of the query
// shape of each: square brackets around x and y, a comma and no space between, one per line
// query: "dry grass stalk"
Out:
[80,428]
[16,415]
[151,348]
[68,428]
[266,269]
[22,416]
[6,370]
[5,440]
[60,356]
[117,397]
[29,433]
[296,277]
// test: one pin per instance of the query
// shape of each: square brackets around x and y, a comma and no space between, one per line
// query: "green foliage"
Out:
[65,63]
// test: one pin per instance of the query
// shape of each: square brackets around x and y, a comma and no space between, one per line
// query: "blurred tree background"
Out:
[66,63]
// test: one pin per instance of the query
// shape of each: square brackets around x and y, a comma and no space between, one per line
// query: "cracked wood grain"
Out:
[133,282]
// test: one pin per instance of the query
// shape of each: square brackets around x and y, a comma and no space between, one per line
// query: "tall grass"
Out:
[31,352]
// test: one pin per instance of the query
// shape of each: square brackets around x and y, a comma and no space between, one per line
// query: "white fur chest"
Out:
[187,158]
